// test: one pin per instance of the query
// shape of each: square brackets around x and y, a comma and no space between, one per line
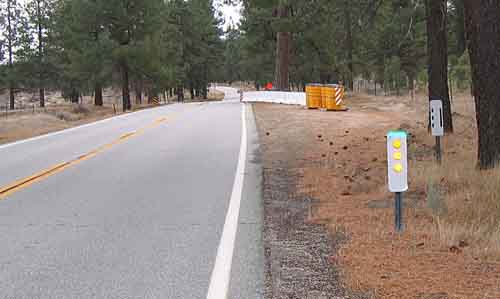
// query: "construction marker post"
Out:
[437,124]
[397,169]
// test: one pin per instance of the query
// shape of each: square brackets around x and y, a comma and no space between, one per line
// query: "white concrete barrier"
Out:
[276,97]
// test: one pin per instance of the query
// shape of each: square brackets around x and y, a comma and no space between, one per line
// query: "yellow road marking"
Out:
[37,177]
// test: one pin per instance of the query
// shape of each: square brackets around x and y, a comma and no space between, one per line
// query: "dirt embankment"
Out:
[335,163]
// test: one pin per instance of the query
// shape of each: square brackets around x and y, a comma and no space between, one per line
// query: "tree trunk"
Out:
[125,88]
[98,99]
[204,93]
[482,19]
[74,96]
[411,86]
[460,27]
[40,55]
[149,95]
[349,45]
[282,71]
[180,94]
[437,47]
[11,66]
[138,93]
[192,92]
[41,93]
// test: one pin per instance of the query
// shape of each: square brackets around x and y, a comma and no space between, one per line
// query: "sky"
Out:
[231,13]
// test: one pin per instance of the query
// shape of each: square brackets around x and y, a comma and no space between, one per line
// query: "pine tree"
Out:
[39,15]
[87,48]
[283,44]
[130,23]
[232,69]
[10,25]
[258,45]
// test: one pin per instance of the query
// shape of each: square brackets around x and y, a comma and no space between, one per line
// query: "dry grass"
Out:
[465,203]
[215,95]
[26,124]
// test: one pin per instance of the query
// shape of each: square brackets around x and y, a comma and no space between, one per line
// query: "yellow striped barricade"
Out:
[155,101]
[335,97]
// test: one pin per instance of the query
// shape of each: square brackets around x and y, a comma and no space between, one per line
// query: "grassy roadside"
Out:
[26,124]
[450,248]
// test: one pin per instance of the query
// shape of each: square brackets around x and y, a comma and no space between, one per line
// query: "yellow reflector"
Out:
[398,167]
[397,156]
[396,143]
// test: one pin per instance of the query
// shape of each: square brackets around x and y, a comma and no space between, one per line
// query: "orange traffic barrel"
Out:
[313,96]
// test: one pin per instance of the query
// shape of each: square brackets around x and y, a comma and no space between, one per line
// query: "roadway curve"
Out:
[137,211]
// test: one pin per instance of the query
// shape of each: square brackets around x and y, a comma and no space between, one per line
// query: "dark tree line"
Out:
[147,47]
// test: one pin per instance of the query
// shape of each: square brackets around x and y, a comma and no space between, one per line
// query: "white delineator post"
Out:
[437,124]
[397,170]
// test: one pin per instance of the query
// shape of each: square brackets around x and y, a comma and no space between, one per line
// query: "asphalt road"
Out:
[137,210]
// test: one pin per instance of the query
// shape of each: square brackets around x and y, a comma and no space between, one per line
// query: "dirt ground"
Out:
[337,164]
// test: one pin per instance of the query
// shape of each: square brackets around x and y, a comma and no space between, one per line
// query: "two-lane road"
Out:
[135,207]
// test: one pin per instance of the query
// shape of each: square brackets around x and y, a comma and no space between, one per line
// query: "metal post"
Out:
[438,149]
[398,212]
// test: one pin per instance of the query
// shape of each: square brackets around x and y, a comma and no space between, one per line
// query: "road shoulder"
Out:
[248,269]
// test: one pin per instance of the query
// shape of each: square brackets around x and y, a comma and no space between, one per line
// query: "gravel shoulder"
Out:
[297,250]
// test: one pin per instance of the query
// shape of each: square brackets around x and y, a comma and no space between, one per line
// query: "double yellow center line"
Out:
[37,177]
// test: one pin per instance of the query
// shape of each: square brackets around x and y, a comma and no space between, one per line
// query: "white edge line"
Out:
[221,274]
[73,129]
